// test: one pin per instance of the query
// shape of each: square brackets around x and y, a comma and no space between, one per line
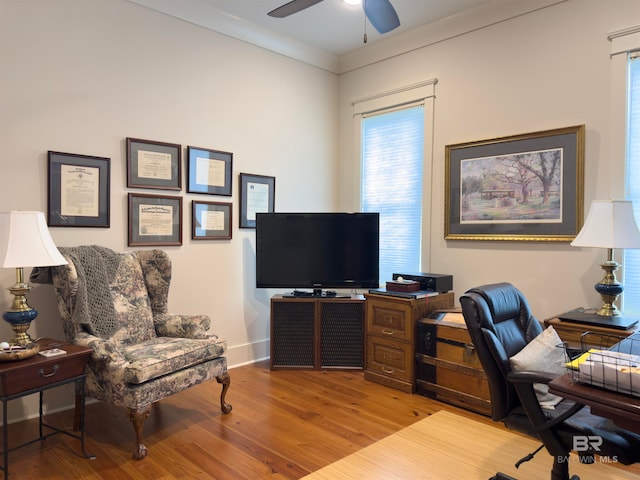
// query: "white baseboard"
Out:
[248,353]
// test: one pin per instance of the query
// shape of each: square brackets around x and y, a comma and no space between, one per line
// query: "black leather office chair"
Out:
[500,325]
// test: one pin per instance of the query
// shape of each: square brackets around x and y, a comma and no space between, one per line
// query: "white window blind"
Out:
[631,297]
[392,146]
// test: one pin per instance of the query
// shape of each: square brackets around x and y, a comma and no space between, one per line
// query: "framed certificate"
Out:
[210,220]
[257,195]
[154,164]
[209,171]
[154,220]
[79,192]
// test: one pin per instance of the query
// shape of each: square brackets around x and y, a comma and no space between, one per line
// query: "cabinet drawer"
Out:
[388,320]
[40,373]
[390,357]
[599,337]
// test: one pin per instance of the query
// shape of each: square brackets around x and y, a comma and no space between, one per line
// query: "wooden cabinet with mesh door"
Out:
[317,333]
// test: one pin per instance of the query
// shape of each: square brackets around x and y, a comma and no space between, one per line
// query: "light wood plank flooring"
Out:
[284,425]
[430,450]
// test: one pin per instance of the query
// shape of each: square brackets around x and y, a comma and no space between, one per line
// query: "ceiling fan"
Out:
[380,13]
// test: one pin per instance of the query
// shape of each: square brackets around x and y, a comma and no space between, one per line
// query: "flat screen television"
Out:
[317,250]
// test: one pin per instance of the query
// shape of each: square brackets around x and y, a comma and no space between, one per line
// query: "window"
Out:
[631,297]
[392,175]
[394,172]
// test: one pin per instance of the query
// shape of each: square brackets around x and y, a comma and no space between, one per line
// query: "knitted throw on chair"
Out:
[96,268]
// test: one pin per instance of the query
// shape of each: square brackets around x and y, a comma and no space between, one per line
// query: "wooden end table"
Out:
[571,332]
[36,374]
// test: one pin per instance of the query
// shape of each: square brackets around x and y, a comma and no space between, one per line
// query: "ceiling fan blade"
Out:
[292,7]
[381,14]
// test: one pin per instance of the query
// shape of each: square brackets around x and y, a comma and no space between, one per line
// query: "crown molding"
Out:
[200,13]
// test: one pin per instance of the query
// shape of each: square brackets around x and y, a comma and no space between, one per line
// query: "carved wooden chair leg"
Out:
[225,380]
[137,417]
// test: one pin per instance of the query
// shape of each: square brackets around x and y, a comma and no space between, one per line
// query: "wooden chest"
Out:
[447,367]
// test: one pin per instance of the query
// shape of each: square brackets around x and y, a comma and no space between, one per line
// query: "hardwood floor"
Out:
[284,425]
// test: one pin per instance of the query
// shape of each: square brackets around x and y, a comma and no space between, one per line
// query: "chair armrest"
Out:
[183,326]
[104,352]
[523,382]
[530,376]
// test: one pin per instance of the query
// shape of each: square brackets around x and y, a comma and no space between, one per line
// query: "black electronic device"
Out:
[317,250]
[433,282]
[616,321]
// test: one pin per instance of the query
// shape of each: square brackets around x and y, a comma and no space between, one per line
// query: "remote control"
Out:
[53,352]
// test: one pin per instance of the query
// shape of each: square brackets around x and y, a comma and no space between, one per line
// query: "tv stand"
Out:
[317,333]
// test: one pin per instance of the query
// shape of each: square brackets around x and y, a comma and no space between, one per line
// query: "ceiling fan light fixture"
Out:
[380,13]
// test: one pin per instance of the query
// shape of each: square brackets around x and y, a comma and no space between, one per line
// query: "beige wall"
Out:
[547,69]
[80,76]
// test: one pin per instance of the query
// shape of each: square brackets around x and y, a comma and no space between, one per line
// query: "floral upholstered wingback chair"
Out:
[116,303]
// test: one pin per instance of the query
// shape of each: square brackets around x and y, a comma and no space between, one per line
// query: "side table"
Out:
[571,332]
[35,375]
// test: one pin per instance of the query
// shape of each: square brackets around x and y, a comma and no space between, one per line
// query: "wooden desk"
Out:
[37,374]
[622,409]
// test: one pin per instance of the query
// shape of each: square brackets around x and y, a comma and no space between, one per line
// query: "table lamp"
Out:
[24,242]
[610,224]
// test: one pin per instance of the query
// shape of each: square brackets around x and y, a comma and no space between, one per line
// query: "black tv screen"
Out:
[317,250]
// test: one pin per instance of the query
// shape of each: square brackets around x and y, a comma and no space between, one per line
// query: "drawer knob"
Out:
[389,333]
[388,371]
[54,370]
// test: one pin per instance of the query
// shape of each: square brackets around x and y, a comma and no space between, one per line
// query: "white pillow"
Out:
[543,354]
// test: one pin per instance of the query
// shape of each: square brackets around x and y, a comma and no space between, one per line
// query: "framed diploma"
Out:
[79,192]
[154,164]
[257,195]
[210,220]
[154,220]
[209,171]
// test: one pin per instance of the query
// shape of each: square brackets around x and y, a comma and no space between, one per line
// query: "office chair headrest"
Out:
[505,301]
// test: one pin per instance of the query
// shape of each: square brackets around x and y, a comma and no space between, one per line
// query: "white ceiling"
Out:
[334,26]
[331,25]
[330,33]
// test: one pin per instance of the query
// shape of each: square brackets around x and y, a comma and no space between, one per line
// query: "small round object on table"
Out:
[13,353]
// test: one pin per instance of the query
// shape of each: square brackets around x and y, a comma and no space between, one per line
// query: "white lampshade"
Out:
[25,241]
[609,224]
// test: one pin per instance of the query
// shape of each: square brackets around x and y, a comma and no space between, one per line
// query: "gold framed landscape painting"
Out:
[526,187]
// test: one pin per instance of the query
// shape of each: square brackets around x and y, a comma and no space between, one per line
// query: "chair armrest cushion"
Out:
[530,376]
[183,326]
[532,388]
[104,353]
